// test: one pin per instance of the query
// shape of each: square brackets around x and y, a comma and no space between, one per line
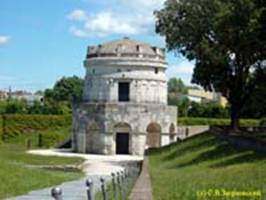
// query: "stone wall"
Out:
[189,131]
[107,117]
[148,84]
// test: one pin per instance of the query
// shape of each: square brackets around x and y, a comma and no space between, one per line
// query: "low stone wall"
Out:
[248,129]
[184,132]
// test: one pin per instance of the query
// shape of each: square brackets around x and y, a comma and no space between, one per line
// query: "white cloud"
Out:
[143,5]
[116,17]
[185,67]
[78,32]
[183,70]
[104,23]
[78,15]
[4,39]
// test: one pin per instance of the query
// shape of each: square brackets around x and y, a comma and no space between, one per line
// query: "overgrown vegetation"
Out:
[189,169]
[13,106]
[15,125]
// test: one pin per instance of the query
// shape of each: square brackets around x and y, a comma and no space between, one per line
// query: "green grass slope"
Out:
[204,167]
[20,172]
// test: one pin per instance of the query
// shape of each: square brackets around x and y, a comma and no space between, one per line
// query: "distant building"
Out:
[19,95]
[201,96]
[29,97]
[3,95]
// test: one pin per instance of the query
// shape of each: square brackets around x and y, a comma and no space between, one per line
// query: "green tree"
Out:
[14,106]
[225,38]
[36,108]
[256,106]
[66,89]
[176,86]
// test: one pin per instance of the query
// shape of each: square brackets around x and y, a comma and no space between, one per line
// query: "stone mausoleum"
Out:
[124,108]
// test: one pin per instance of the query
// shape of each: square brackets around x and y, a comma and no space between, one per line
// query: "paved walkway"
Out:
[73,190]
[142,189]
[95,166]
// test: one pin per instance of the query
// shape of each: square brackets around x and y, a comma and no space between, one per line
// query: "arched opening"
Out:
[153,135]
[172,132]
[92,130]
[122,138]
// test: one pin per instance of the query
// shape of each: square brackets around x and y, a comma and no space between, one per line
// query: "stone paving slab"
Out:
[142,190]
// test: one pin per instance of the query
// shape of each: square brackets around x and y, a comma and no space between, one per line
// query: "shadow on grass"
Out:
[208,150]
[247,157]
[181,146]
[224,151]
[191,147]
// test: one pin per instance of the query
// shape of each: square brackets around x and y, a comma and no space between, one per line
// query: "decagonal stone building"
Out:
[124,108]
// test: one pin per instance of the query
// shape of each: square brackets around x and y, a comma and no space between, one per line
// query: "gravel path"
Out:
[95,166]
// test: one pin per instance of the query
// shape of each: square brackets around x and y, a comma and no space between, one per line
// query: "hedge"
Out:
[50,139]
[185,121]
[17,124]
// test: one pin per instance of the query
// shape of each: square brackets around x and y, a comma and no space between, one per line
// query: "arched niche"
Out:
[92,129]
[153,135]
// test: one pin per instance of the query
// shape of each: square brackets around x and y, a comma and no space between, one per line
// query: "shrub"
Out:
[16,106]
[207,110]
[263,122]
[50,139]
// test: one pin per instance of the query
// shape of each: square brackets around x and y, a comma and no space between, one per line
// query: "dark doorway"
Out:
[122,143]
[123,91]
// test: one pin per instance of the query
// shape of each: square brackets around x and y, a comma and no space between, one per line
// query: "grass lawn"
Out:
[190,169]
[18,174]
[257,135]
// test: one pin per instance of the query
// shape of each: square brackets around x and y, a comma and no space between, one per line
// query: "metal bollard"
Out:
[89,185]
[57,193]
[104,189]
[115,191]
[123,186]
[118,183]
[126,180]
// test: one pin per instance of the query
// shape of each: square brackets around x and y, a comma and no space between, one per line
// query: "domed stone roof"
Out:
[125,47]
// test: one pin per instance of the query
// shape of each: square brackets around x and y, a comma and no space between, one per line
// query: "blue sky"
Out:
[41,41]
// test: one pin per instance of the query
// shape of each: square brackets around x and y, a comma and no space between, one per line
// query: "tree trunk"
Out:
[235,114]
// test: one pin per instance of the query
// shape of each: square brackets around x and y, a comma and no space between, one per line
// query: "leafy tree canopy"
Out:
[66,89]
[225,38]
[177,86]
